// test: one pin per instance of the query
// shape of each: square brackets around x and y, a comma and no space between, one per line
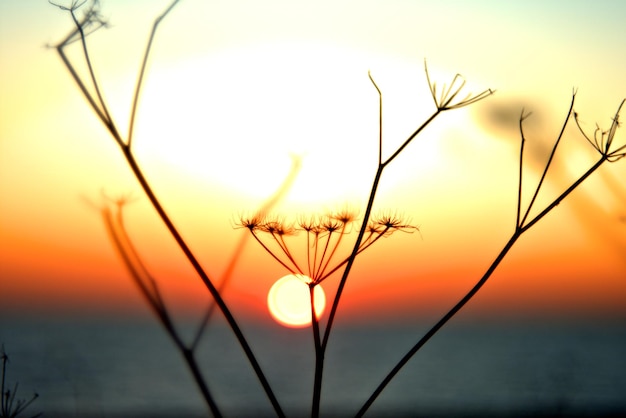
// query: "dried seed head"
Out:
[602,140]
[388,223]
[448,96]
[277,227]
[331,225]
[252,223]
[310,224]
[345,216]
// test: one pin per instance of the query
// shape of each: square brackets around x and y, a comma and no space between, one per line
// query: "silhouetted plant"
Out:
[325,235]
[113,217]
[524,221]
[90,22]
[114,221]
[10,405]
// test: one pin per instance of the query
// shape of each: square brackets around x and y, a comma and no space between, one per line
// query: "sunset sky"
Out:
[236,89]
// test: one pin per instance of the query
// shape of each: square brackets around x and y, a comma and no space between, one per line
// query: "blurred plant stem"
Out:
[92,21]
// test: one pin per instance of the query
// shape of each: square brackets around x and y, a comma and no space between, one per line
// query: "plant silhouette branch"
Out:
[103,114]
[324,234]
[11,407]
[520,228]
[142,70]
[319,356]
[143,279]
[281,191]
[602,140]
[522,118]
[552,153]
[446,102]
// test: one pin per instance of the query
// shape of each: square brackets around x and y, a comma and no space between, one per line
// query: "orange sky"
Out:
[234,91]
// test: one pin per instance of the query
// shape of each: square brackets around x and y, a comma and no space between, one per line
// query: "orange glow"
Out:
[232,97]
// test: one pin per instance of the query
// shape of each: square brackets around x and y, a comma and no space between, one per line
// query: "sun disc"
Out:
[289,301]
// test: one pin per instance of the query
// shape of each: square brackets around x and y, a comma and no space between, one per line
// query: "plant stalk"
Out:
[204,277]
[319,357]
[519,230]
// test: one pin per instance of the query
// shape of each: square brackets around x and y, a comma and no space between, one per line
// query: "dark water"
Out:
[118,368]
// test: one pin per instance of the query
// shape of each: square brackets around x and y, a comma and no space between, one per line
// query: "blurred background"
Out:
[236,89]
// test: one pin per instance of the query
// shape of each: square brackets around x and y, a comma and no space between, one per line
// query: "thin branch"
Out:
[142,70]
[130,158]
[521,168]
[448,94]
[365,244]
[545,171]
[557,201]
[521,227]
[412,136]
[270,252]
[600,145]
[92,75]
[140,275]
[380,119]
[321,271]
[438,326]
[319,356]
[351,259]
[282,244]
[515,236]
[321,265]
[281,191]
[377,177]
[98,106]
[136,272]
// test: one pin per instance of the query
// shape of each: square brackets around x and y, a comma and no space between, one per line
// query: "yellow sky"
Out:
[235,88]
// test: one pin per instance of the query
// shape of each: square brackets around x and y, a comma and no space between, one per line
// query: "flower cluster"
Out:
[602,140]
[324,239]
[447,98]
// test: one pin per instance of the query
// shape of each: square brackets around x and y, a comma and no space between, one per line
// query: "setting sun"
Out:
[198,170]
[289,303]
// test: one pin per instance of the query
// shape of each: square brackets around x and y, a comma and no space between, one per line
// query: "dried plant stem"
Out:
[438,326]
[10,406]
[99,106]
[547,166]
[445,102]
[140,275]
[322,270]
[149,289]
[368,211]
[522,225]
[219,301]
[319,356]
[142,70]
[238,251]
[370,202]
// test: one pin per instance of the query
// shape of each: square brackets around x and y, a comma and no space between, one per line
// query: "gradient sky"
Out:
[235,88]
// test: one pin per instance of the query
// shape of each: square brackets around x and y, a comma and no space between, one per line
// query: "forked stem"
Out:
[101,110]
[140,275]
[522,225]
[446,104]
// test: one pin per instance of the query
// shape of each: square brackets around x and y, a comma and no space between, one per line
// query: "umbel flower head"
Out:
[602,140]
[324,239]
[448,98]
